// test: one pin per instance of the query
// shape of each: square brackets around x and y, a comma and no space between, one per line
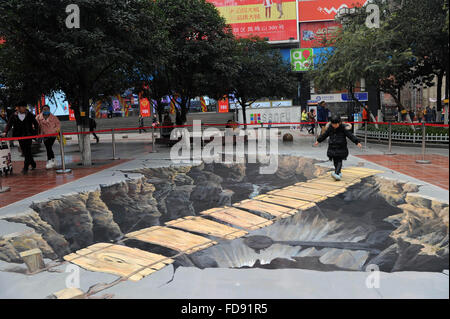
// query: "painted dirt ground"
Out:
[366,220]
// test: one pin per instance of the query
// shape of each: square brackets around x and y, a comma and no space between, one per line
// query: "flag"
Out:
[98,106]
[172,104]
[203,102]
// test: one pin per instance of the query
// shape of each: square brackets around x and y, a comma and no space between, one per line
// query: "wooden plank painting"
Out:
[285,201]
[207,227]
[172,238]
[266,208]
[238,217]
[123,261]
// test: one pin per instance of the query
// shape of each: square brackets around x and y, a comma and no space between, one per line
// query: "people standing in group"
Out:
[48,124]
[322,115]
[23,123]
[304,119]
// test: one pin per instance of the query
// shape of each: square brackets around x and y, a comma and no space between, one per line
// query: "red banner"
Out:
[71,114]
[145,107]
[324,10]
[272,19]
[312,34]
[223,105]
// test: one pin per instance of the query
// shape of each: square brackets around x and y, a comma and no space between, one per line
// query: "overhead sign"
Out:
[272,19]
[302,59]
[314,34]
[324,10]
[338,97]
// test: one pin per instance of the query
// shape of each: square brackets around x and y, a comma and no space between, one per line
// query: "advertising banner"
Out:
[58,104]
[145,107]
[313,34]
[223,105]
[274,115]
[71,114]
[302,60]
[324,10]
[272,19]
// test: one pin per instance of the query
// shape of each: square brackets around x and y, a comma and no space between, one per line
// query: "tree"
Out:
[94,60]
[261,72]
[410,46]
[199,54]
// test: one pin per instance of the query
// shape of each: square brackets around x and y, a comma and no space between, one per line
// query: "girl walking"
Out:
[337,145]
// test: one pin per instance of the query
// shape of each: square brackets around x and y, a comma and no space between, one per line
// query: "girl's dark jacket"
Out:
[337,145]
[28,127]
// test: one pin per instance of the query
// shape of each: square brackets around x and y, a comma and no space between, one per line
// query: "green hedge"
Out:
[408,129]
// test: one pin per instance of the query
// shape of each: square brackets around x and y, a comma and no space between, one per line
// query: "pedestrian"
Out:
[322,116]
[411,115]
[304,119]
[312,120]
[428,114]
[23,123]
[434,114]
[92,127]
[420,115]
[141,124]
[365,115]
[337,145]
[48,124]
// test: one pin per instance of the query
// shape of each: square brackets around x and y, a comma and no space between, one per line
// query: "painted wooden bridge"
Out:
[226,223]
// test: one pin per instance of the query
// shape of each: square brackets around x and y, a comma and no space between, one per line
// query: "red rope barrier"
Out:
[221,124]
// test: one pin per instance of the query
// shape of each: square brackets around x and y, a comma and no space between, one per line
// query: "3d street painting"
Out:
[230,216]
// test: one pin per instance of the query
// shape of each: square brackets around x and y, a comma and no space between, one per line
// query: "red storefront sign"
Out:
[224,106]
[272,19]
[145,107]
[312,34]
[324,10]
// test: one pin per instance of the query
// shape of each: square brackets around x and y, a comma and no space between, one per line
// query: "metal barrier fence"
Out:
[423,137]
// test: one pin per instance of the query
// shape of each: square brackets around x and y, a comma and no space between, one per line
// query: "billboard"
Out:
[312,34]
[58,104]
[302,59]
[272,19]
[324,10]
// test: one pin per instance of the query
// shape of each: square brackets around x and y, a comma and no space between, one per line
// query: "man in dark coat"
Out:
[322,115]
[23,123]
[337,145]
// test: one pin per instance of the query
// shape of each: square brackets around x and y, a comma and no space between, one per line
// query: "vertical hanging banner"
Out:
[98,107]
[203,103]
[172,104]
[224,105]
[272,19]
[71,114]
[145,108]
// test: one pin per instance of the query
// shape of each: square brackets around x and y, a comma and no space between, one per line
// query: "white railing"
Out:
[405,137]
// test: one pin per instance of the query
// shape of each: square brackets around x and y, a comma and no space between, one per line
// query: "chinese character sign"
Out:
[324,10]
[272,19]
[313,34]
[224,105]
[302,59]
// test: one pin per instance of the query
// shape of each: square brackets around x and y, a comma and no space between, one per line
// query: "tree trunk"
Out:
[85,138]
[244,114]
[439,92]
